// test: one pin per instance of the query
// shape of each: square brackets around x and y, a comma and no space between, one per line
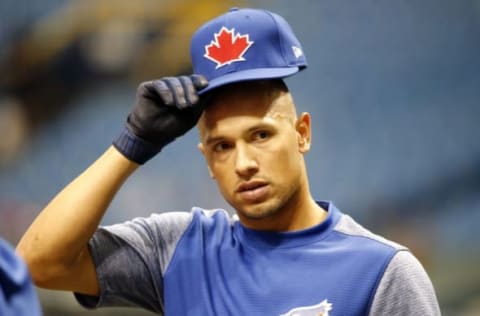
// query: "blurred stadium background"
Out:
[393,88]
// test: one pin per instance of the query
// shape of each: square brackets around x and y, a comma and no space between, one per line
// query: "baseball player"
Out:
[282,253]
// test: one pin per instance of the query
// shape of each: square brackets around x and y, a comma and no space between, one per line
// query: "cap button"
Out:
[233,9]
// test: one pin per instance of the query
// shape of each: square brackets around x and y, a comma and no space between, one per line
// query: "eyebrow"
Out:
[211,140]
[253,128]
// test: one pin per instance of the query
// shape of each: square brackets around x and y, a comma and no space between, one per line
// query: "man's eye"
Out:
[261,135]
[221,147]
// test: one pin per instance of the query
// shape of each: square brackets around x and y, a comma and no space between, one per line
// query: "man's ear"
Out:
[304,132]
[202,150]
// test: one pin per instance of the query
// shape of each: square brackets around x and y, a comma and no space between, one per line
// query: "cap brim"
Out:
[251,74]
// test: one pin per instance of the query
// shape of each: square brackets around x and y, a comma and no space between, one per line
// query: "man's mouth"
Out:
[253,191]
[250,185]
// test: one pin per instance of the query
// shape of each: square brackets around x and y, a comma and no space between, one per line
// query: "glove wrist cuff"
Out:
[135,148]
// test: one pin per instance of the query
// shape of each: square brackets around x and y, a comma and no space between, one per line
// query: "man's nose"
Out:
[246,163]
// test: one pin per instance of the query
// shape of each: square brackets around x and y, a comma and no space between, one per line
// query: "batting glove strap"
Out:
[134,148]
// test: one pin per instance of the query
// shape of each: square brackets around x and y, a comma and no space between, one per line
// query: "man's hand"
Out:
[164,110]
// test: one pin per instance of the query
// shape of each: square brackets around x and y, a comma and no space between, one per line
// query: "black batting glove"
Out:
[164,110]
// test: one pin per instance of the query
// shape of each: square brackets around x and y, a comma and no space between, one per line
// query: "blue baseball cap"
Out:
[245,44]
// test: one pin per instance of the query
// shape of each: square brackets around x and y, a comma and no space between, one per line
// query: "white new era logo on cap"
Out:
[297,51]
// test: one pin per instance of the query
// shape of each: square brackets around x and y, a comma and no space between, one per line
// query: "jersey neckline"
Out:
[291,239]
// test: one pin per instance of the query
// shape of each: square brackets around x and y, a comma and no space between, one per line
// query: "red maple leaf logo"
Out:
[227,47]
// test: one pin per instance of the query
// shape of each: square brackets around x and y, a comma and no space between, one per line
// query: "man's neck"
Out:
[307,215]
[297,214]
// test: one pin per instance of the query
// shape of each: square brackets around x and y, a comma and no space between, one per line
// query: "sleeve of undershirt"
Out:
[405,289]
[130,259]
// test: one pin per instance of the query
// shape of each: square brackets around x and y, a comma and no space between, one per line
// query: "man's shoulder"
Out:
[347,226]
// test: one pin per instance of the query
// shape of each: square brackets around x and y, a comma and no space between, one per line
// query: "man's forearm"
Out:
[57,237]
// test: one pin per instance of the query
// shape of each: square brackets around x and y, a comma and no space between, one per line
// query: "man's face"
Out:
[253,146]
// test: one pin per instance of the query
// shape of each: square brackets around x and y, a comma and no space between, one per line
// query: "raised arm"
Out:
[55,245]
